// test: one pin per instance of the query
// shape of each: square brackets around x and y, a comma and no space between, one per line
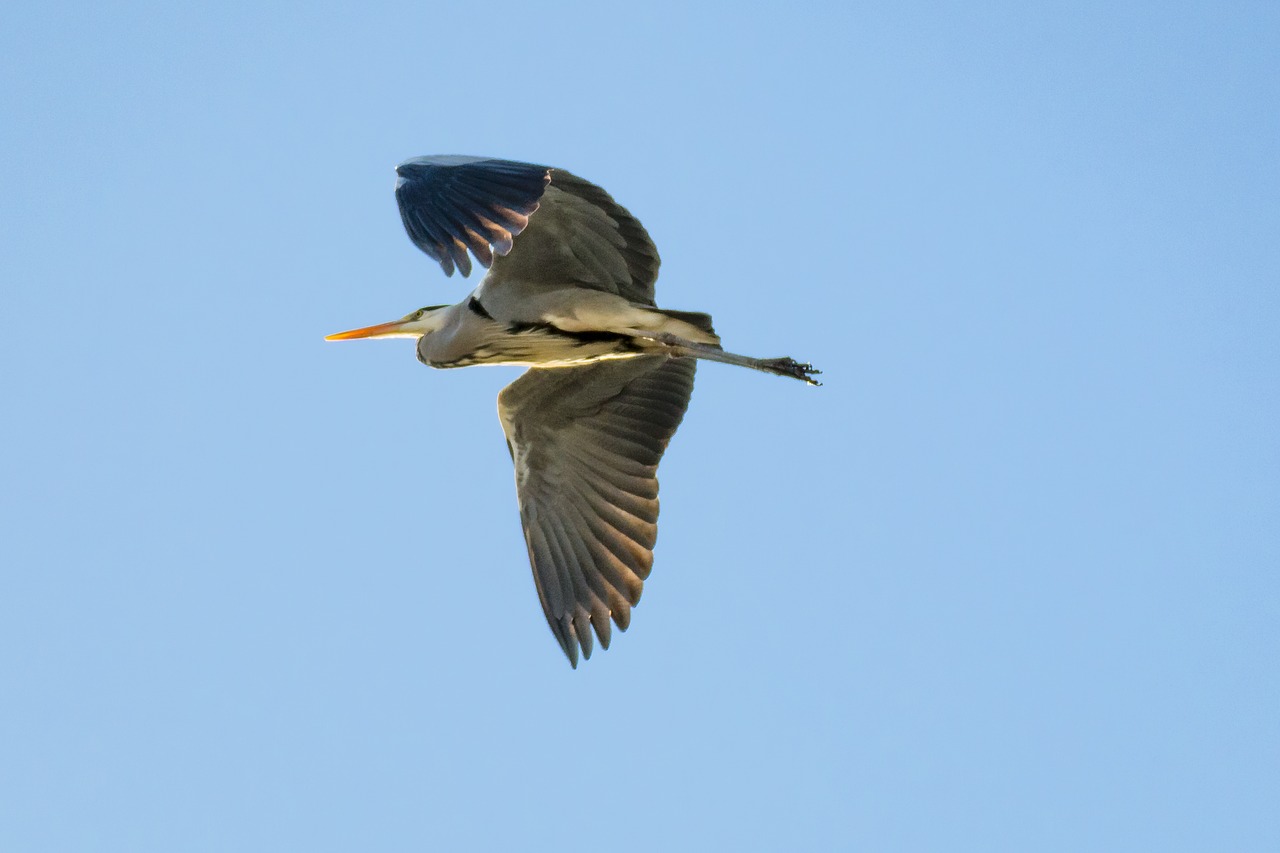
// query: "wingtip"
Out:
[568,642]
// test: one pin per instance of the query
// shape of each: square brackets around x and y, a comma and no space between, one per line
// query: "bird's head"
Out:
[424,321]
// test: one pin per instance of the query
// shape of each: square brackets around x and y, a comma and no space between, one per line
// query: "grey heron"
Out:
[569,294]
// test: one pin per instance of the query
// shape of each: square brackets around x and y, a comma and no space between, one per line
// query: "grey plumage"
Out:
[570,293]
[586,443]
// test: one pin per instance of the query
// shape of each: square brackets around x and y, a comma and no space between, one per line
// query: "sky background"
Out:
[1008,581]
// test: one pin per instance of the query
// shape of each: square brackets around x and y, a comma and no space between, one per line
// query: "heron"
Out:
[569,293]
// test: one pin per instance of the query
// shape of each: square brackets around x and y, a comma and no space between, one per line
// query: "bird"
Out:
[569,293]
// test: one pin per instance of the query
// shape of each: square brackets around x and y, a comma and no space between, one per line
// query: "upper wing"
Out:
[586,442]
[548,227]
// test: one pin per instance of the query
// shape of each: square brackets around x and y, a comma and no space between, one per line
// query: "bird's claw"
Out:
[787,366]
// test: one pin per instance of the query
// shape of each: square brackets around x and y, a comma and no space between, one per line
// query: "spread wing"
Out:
[531,224]
[586,442]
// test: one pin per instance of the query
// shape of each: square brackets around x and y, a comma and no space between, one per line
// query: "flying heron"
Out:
[569,294]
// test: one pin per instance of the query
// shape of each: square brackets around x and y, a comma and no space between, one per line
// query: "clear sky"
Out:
[1007,582]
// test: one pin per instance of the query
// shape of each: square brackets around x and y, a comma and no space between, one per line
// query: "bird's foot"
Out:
[786,366]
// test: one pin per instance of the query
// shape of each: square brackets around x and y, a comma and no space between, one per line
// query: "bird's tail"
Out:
[700,321]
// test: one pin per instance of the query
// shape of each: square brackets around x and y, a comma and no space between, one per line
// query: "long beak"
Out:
[382,330]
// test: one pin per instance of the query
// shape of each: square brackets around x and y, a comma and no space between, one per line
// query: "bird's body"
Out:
[570,295]
[535,333]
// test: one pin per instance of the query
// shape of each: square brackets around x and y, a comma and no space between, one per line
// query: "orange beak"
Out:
[382,330]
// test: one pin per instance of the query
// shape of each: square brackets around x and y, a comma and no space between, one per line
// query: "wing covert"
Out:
[581,237]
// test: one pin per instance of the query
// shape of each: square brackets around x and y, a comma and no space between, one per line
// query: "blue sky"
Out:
[1008,581]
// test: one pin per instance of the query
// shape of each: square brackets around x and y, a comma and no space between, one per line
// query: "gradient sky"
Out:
[1007,582]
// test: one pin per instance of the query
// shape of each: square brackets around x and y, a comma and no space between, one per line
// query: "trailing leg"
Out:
[784,366]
